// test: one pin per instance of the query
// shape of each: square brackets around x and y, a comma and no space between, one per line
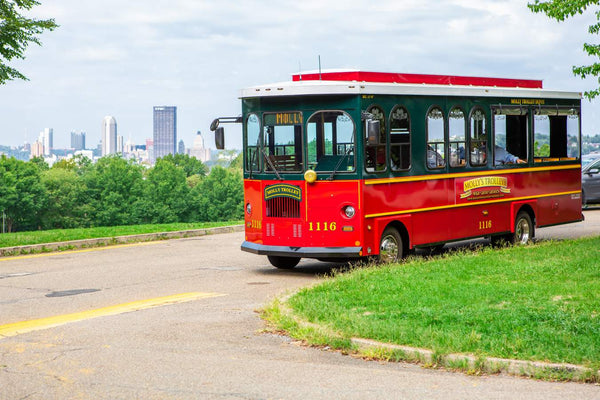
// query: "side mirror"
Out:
[373,130]
[220,138]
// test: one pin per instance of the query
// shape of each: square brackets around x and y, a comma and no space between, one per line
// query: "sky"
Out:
[121,58]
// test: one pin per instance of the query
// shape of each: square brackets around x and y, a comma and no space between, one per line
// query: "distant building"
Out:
[120,144]
[37,149]
[78,140]
[109,135]
[198,150]
[165,131]
[181,147]
[47,140]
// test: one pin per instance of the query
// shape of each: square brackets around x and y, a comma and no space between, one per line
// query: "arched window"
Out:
[436,142]
[375,155]
[457,137]
[479,138]
[399,139]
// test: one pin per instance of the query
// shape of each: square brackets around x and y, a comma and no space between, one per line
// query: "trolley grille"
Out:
[283,207]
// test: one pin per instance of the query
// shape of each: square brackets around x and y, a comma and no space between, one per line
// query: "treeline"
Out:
[76,193]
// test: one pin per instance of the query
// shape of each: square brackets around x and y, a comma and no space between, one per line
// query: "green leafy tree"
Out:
[66,205]
[22,195]
[114,185]
[190,165]
[220,196]
[563,9]
[166,195]
[16,33]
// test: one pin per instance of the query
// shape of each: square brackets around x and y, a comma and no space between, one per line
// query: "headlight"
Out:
[248,209]
[349,211]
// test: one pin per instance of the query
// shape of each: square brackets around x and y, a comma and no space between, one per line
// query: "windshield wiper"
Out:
[271,164]
[350,150]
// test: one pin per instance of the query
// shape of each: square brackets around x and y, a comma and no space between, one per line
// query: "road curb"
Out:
[106,241]
[470,363]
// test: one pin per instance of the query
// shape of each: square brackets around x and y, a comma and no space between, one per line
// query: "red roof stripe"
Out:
[392,77]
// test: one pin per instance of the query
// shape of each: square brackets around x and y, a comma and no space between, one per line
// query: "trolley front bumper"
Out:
[307,252]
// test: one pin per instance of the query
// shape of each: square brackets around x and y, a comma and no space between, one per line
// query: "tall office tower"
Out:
[37,149]
[181,147]
[109,135]
[78,140]
[165,131]
[47,139]
[120,144]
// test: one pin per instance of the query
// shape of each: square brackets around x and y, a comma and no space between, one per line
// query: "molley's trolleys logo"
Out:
[283,190]
[495,186]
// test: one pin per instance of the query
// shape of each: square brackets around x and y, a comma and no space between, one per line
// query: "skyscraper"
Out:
[47,139]
[165,131]
[109,135]
[78,140]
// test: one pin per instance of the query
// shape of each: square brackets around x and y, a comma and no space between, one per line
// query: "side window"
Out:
[400,139]
[330,136]
[251,160]
[556,134]
[478,131]
[436,144]
[510,135]
[375,155]
[457,136]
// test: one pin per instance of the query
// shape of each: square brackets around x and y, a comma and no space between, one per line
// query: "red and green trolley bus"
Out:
[347,164]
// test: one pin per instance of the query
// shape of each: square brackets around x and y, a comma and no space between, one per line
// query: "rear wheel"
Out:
[524,229]
[283,262]
[391,247]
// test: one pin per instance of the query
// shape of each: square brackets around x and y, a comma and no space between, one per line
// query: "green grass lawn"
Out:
[61,235]
[538,302]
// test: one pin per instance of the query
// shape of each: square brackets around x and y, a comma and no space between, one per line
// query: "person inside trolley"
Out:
[502,156]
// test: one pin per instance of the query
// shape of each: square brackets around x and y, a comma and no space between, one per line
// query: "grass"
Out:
[538,303]
[61,235]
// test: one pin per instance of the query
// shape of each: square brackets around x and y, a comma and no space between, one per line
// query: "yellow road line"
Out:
[55,253]
[18,328]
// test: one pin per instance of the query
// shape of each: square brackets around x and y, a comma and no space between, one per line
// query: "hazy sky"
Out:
[121,58]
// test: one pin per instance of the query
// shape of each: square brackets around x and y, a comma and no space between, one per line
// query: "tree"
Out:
[563,9]
[22,195]
[16,32]
[65,206]
[220,196]
[190,165]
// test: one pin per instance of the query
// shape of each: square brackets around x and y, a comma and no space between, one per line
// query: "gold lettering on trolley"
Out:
[290,118]
[528,102]
[485,181]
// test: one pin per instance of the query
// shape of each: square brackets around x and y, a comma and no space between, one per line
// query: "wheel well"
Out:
[527,208]
[399,226]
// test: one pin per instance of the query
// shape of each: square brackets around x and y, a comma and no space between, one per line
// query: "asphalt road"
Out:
[122,334]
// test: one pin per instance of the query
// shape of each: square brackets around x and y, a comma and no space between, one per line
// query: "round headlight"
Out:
[248,209]
[349,211]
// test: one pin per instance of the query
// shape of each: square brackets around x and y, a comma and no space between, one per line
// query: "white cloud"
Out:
[121,58]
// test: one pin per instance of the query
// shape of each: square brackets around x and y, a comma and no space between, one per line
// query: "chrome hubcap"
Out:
[523,231]
[388,251]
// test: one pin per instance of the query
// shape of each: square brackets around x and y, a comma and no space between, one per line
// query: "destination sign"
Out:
[284,118]
[528,102]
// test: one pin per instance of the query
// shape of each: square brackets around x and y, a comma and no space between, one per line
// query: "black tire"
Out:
[391,246]
[524,229]
[283,262]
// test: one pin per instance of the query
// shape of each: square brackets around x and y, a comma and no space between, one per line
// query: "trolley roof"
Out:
[349,82]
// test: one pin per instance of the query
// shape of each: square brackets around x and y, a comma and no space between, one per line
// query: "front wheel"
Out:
[391,247]
[524,229]
[283,262]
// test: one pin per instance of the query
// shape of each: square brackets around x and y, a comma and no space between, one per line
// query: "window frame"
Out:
[400,145]
[302,164]
[258,147]
[354,138]
[464,141]
[444,138]
[382,135]
[474,109]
